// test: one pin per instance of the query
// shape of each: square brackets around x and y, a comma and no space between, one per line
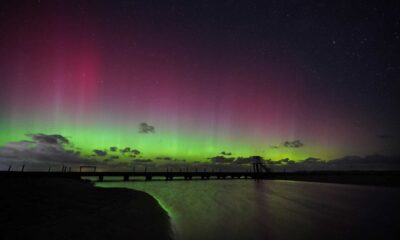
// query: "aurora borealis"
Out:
[242,78]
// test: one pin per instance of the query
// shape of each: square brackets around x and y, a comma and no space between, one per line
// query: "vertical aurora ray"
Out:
[70,71]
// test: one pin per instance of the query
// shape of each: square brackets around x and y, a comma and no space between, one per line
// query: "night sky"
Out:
[212,82]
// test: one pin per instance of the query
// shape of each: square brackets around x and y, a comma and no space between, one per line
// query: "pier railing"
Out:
[260,171]
[126,176]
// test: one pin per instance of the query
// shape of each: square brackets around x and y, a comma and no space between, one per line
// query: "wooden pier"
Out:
[259,171]
[148,176]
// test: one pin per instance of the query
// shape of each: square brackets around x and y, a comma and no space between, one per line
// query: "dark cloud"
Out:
[226,153]
[142,160]
[135,152]
[371,162]
[55,150]
[368,160]
[100,153]
[164,158]
[179,160]
[50,139]
[221,159]
[146,128]
[111,158]
[113,149]
[293,144]
[283,161]
[42,150]
[287,161]
[248,160]
[243,160]
[125,150]
[311,160]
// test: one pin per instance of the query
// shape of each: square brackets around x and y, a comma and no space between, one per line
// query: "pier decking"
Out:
[126,176]
[259,171]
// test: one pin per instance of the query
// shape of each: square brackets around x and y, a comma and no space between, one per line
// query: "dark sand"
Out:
[40,208]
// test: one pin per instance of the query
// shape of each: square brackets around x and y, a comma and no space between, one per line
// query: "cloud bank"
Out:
[43,150]
[293,144]
[146,128]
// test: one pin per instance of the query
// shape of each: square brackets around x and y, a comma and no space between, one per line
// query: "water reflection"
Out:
[235,209]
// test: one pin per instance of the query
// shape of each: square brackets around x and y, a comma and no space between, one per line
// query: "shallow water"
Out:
[248,209]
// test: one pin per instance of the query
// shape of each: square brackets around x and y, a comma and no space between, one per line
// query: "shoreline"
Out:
[57,208]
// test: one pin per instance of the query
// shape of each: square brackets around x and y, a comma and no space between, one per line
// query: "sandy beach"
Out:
[39,208]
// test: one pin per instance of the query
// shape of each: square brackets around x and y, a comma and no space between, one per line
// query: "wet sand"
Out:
[40,208]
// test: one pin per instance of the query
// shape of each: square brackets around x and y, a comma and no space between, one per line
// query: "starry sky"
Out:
[198,81]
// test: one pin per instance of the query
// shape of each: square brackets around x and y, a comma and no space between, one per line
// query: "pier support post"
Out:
[101,178]
[148,177]
[126,178]
[167,178]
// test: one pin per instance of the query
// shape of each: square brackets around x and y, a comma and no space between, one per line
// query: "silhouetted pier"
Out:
[126,176]
[379,178]
[259,172]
